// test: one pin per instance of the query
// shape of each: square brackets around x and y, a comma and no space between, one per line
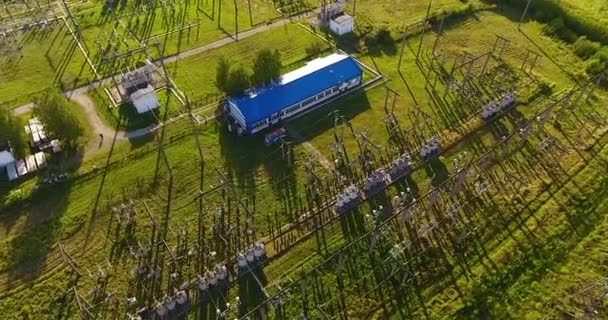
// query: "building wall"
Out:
[145,103]
[343,28]
[297,108]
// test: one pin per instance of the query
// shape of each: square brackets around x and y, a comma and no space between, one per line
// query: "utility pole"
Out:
[236,19]
[438,35]
[428,12]
[523,15]
[402,50]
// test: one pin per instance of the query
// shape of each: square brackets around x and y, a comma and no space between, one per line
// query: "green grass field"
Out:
[529,256]
[49,58]
[597,9]
[397,15]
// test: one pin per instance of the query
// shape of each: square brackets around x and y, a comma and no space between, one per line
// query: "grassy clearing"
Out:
[49,58]
[595,11]
[196,75]
[397,15]
[589,8]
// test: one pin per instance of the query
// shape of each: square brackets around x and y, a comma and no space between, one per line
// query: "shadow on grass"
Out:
[437,172]
[27,253]
[251,294]
[244,157]
[131,120]
[322,119]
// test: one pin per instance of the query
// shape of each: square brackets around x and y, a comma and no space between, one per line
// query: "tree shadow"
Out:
[28,252]
[253,165]
[436,171]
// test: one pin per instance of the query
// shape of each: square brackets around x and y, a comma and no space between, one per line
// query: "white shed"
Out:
[144,100]
[21,168]
[40,159]
[6,158]
[7,162]
[342,24]
[12,171]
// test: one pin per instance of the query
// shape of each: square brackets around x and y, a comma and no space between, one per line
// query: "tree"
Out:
[598,64]
[12,133]
[222,73]
[585,48]
[267,67]
[314,49]
[59,121]
[237,82]
[384,36]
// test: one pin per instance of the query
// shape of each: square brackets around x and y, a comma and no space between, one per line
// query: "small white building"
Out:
[6,157]
[342,24]
[144,100]
[7,162]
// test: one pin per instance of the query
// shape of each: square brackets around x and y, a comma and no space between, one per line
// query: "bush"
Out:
[238,81]
[221,74]
[11,131]
[379,36]
[15,197]
[384,36]
[558,28]
[595,67]
[585,48]
[314,49]
[602,55]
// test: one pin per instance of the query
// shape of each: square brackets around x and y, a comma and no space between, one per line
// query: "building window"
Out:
[259,124]
[308,101]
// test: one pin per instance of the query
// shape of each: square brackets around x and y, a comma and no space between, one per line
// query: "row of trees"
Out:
[233,81]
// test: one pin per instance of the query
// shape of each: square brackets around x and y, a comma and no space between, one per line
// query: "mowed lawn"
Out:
[399,13]
[596,9]
[174,29]
[196,75]
[49,57]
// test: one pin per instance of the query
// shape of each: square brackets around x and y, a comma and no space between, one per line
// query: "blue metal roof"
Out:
[276,97]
